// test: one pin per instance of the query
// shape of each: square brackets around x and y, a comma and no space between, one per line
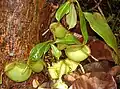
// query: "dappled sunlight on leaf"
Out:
[39,50]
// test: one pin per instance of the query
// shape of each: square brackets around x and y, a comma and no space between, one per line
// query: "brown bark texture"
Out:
[22,23]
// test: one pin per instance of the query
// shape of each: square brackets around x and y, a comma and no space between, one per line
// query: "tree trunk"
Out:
[22,23]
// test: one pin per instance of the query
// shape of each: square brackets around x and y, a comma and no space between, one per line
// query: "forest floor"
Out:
[106,71]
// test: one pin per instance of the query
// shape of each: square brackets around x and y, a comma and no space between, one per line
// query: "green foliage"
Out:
[83,26]
[80,52]
[54,69]
[18,71]
[61,46]
[63,40]
[56,52]
[58,30]
[37,66]
[62,67]
[60,85]
[71,17]
[72,64]
[100,26]
[68,39]
[39,50]
[63,9]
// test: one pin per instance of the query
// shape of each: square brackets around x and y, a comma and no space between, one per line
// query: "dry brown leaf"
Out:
[100,66]
[94,80]
[114,70]
[100,50]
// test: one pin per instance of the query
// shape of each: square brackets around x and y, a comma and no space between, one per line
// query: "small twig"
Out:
[45,32]
[94,58]
[52,17]
[100,9]
[97,5]
[82,69]
[109,6]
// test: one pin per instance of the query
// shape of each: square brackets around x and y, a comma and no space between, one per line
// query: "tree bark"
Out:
[22,23]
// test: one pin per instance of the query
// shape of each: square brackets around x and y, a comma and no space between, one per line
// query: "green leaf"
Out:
[58,30]
[84,29]
[10,66]
[39,50]
[37,66]
[61,46]
[54,69]
[72,64]
[57,53]
[68,39]
[63,9]
[71,18]
[53,73]
[60,85]
[62,70]
[82,24]
[100,26]
[46,48]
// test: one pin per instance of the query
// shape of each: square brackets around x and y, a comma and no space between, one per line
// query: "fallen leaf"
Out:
[94,80]
[100,50]
[46,85]
[114,70]
[101,27]
[100,66]
[69,79]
